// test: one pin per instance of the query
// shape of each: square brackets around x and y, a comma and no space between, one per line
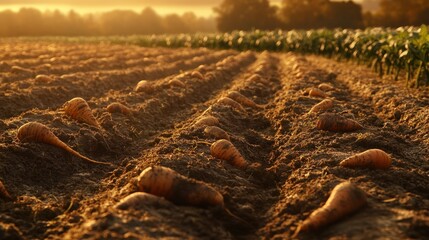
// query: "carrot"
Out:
[325,87]
[372,158]
[144,86]
[238,97]
[78,109]
[4,194]
[345,199]
[41,78]
[176,83]
[315,92]
[322,106]
[165,182]
[335,123]
[256,78]
[206,121]
[197,74]
[216,132]
[37,132]
[225,150]
[119,108]
[18,69]
[229,102]
[139,199]
[202,68]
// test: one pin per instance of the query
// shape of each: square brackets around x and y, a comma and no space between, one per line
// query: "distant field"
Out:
[389,52]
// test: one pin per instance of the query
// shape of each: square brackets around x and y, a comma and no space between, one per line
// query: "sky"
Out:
[199,7]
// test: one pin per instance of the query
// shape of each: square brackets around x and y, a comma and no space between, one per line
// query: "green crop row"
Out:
[388,51]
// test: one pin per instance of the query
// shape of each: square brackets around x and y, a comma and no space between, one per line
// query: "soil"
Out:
[56,195]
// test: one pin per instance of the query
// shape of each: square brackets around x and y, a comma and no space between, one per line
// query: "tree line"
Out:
[311,14]
[32,22]
[230,15]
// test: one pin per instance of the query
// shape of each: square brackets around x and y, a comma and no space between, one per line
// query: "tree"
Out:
[174,24]
[151,22]
[246,15]
[120,22]
[396,13]
[342,15]
[7,30]
[29,22]
[308,14]
[303,14]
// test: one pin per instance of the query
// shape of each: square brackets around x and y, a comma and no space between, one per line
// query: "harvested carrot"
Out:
[78,109]
[225,150]
[41,78]
[176,83]
[119,108]
[322,106]
[206,121]
[256,78]
[325,87]
[197,74]
[238,97]
[165,182]
[372,158]
[345,199]
[229,102]
[37,132]
[216,132]
[144,86]
[202,68]
[139,199]
[18,69]
[4,194]
[335,123]
[315,92]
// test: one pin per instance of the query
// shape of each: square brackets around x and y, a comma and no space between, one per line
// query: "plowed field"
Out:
[295,166]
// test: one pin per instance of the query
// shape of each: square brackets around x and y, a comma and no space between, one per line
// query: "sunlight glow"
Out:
[161,10]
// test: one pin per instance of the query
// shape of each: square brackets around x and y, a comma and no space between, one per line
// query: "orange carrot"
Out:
[315,92]
[139,199]
[344,200]
[4,194]
[335,123]
[197,74]
[42,78]
[144,86]
[165,182]
[325,87]
[206,121]
[18,69]
[256,78]
[229,102]
[176,83]
[37,132]
[216,132]
[119,108]
[78,109]
[322,106]
[372,158]
[238,97]
[225,150]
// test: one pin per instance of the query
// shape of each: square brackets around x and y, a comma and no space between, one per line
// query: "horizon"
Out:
[162,7]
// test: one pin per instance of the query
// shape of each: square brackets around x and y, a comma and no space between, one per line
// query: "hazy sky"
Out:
[200,7]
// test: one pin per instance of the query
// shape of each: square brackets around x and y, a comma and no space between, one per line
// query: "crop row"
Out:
[388,51]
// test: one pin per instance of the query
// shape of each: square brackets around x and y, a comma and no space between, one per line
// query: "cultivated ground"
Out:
[59,196]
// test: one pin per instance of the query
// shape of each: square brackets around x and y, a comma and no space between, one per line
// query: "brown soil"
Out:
[59,196]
